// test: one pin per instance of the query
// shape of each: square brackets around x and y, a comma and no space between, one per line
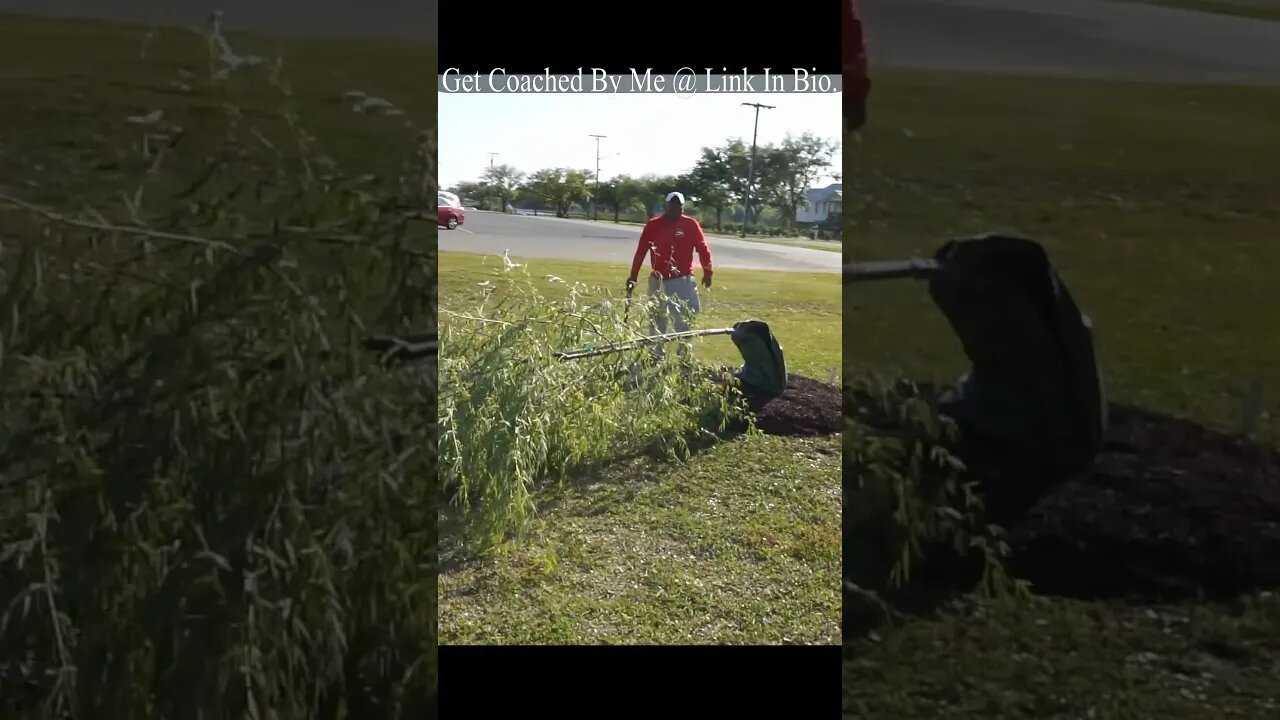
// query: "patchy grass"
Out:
[737,544]
[1042,659]
[1159,205]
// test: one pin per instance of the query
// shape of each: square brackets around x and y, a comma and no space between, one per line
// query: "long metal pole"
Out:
[500,199]
[917,268]
[595,197]
[751,166]
[640,342]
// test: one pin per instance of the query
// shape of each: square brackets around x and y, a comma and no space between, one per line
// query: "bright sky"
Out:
[661,134]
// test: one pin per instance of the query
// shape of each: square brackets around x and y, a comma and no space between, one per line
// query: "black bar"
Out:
[528,38]
[640,681]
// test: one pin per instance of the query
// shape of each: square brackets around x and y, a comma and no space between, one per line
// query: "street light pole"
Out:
[500,199]
[751,166]
[595,204]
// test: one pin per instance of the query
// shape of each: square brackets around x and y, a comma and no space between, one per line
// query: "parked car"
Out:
[452,217]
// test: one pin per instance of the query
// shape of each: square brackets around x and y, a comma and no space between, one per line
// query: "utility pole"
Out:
[751,166]
[595,204]
[501,199]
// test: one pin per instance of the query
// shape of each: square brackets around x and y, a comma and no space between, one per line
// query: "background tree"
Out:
[470,190]
[621,194]
[655,188]
[713,180]
[502,182]
[527,198]
[790,169]
[717,181]
[561,188]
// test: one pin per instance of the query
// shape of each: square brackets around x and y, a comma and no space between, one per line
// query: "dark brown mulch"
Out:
[808,408]
[1172,509]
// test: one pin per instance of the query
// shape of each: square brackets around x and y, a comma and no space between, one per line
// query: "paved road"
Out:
[406,20]
[1073,37]
[546,237]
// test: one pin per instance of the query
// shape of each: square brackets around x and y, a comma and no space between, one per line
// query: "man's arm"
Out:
[857,81]
[704,251]
[641,248]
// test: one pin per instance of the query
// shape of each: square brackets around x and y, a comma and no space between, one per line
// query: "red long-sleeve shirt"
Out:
[857,81]
[670,246]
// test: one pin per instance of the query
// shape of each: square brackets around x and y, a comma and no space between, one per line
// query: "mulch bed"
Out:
[1171,509]
[808,408]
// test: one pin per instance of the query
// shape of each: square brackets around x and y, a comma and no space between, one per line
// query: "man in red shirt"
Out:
[857,82]
[670,240]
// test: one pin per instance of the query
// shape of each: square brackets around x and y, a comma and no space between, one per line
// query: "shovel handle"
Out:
[917,268]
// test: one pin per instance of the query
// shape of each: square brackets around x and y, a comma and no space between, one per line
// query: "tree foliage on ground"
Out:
[216,502]
[717,182]
[908,504]
[502,381]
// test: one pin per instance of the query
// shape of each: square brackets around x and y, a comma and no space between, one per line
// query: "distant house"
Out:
[820,204]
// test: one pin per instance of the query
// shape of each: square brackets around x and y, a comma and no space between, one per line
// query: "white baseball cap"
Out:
[675,196]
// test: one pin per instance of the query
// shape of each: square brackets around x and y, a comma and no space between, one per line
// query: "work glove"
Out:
[631,285]
[706,281]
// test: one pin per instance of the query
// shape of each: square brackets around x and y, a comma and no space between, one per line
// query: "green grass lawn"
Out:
[1066,659]
[1161,207]
[64,131]
[739,544]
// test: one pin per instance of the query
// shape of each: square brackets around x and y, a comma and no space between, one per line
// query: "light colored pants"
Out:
[679,301]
